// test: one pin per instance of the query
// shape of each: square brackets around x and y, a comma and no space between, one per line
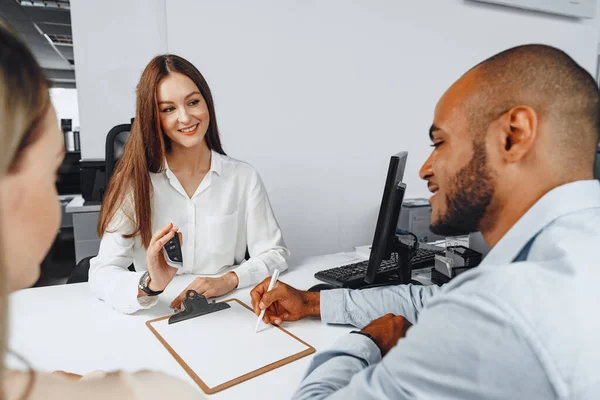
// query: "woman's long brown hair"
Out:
[24,102]
[147,146]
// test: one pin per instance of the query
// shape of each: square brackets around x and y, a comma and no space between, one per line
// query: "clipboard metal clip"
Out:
[196,305]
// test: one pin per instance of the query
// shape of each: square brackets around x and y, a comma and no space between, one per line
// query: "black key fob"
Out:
[172,251]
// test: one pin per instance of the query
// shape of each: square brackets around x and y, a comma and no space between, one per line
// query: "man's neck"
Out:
[502,218]
[508,208]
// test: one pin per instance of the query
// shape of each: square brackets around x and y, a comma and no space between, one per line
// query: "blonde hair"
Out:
[24,101]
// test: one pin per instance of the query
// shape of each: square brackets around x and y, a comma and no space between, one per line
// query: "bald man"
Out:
[514,142]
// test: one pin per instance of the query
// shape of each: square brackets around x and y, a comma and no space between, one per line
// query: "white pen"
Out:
[271,286]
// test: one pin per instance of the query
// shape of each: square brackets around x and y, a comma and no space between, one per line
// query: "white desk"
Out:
[67,328]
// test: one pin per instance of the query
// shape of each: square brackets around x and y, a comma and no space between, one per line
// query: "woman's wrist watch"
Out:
[143,285]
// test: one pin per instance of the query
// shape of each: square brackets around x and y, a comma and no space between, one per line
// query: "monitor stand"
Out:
[403,274]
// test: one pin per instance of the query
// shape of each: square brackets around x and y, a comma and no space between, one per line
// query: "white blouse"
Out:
[229,212]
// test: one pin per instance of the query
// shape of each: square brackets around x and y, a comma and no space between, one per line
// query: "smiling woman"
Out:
[174,178]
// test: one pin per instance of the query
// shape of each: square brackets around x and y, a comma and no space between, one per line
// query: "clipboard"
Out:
[219,350]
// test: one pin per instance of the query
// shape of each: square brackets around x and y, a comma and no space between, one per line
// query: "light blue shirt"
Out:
[504,330]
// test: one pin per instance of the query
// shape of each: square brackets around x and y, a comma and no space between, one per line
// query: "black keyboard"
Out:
[353,275]
[424,258]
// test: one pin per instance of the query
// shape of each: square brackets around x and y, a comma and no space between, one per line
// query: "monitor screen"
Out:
[389,211]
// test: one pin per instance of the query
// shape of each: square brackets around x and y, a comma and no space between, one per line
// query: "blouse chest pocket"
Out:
[222,233]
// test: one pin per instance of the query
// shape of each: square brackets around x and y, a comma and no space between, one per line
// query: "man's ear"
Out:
[517,131]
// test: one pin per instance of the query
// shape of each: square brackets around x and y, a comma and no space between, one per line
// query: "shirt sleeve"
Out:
[462,348]
[360,307]
[265,241]
[109,277]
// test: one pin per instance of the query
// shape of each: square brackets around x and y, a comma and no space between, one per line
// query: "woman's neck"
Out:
[190,160]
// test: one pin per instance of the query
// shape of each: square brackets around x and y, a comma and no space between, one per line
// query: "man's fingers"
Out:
[257,293]
[268,319]
[270,297]
[255,300]
[271,312]
[262,287]
[274,319]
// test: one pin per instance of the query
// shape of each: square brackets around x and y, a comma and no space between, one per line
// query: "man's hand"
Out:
[284,303]
[387,330]
[209,287]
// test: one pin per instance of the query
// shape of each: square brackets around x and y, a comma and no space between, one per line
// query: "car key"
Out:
[172,251]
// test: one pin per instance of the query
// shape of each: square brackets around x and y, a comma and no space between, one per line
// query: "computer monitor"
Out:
[389,211]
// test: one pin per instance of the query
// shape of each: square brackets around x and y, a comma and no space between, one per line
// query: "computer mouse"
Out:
[321,286]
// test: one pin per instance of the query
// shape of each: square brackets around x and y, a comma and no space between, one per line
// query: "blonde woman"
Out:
[31,150]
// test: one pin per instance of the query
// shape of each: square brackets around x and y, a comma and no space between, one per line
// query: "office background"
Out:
[316,95]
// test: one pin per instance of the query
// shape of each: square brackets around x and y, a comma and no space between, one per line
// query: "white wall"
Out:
[113,42]
[66,105]
[316,95]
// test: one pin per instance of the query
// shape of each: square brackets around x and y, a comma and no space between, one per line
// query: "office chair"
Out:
[115,143]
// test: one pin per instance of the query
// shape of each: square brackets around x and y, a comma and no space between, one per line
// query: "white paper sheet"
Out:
[222,346]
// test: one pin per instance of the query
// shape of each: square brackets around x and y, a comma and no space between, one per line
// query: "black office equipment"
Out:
[415,217]
[115,144]
[597,164]
[425,257]
[95,174]
[389,259]
[93,180]
[353,275]
[66,124]
[385,240]
[321,286]
[195,305]
[69,181]
[456,260]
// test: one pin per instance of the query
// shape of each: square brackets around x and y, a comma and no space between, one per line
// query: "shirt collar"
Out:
[215,162]
[560,201]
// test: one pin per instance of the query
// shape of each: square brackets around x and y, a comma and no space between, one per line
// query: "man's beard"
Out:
[469,195]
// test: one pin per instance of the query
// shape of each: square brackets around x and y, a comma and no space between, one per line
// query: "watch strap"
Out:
[143,285]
